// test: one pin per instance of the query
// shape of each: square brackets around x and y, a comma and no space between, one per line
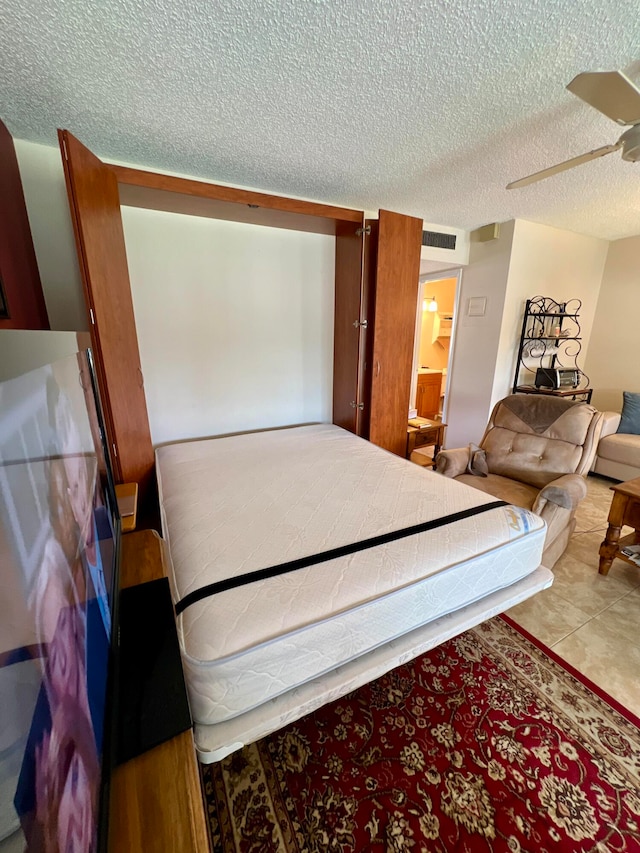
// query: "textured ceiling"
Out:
[426,107]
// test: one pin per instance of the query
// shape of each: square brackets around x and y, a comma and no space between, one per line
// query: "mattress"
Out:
[237,504]
[214,742]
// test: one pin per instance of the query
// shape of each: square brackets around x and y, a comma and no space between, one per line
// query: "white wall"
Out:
[527,259]
[52,232]
[551,262]
[235,323]
[22,350]
[613,359]
[475,344]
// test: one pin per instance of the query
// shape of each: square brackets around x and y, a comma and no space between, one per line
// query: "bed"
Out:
[305,562]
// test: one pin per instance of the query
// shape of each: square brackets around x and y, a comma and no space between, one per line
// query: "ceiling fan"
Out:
[614,95]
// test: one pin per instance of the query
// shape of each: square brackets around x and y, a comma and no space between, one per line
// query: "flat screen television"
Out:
[59,547]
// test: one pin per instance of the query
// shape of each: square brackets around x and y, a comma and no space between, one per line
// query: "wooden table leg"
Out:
[610,544]
[411,442]
[608,549]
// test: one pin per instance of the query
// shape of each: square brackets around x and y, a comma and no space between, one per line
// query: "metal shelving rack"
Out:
[551,337]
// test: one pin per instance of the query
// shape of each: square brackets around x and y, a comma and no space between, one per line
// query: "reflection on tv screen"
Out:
[57,550]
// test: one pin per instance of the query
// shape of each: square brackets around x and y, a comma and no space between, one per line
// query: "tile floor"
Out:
[590,620]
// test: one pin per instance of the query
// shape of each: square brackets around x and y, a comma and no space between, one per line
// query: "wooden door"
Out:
[349,334]
[396,294]
[95,210]
[22,303]
[428,394]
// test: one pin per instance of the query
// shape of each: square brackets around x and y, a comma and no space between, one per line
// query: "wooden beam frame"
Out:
[151,190]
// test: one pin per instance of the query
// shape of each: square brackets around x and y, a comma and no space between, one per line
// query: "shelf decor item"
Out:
[549,349]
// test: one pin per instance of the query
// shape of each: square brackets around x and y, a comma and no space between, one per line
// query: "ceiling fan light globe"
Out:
[631,144]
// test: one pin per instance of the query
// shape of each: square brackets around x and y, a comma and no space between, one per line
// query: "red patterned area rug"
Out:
[486,743]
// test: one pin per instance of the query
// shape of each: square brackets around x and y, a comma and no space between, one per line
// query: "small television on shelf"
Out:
[59,547]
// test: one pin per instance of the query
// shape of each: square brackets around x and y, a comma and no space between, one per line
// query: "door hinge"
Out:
[360,324]
[355,405]
[366,229]
[115,449]
[91,316]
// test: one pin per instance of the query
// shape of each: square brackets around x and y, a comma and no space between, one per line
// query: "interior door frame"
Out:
[425,278]
[457,304]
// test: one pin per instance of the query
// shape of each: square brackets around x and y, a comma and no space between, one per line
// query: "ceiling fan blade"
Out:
[567,164]
[610,92]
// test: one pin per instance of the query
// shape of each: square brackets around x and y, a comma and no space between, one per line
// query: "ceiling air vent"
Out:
[438,240]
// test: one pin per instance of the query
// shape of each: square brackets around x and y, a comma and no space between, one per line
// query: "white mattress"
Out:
[214,742]
[242,503]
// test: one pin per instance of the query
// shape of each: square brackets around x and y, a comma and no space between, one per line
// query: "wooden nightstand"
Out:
[423,432]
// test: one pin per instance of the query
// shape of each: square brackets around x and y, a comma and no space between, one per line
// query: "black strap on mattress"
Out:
[332,554]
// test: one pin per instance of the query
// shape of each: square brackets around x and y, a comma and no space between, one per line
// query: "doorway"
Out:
[435,324]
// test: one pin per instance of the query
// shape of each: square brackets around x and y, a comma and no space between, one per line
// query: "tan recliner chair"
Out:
[535,453]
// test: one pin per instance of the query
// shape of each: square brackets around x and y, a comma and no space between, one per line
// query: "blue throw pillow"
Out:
[630,418]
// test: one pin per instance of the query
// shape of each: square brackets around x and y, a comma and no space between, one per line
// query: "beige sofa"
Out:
[618,454]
